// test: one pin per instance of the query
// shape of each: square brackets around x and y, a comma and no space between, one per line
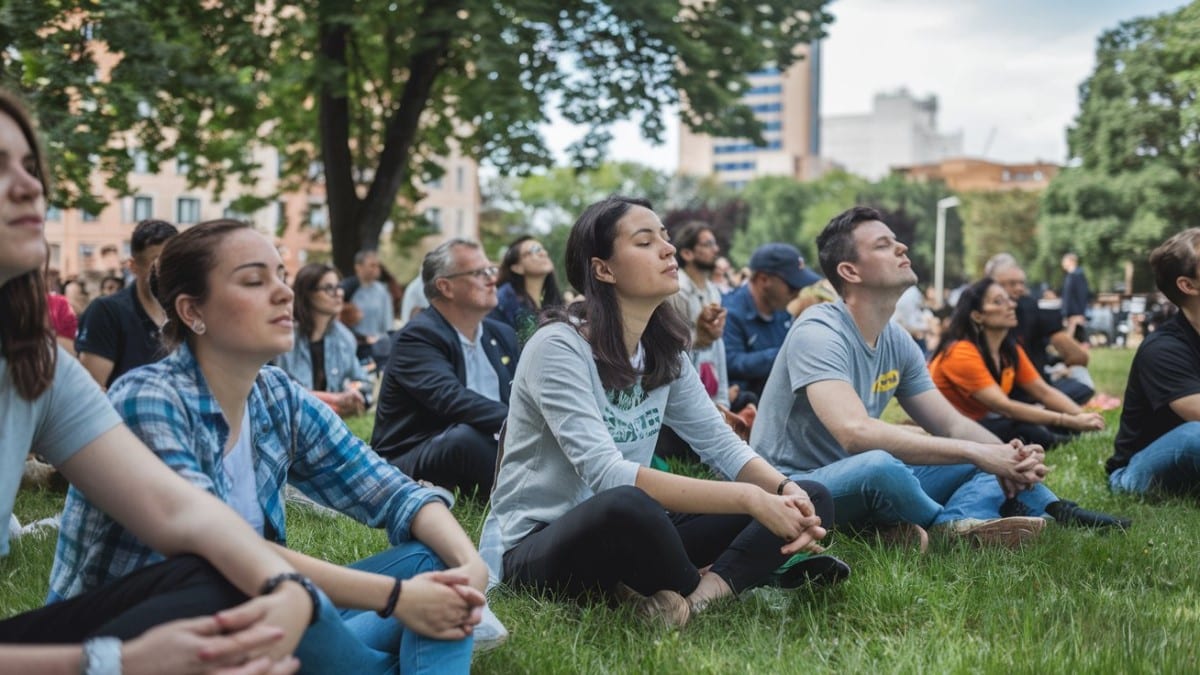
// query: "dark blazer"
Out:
[424,388]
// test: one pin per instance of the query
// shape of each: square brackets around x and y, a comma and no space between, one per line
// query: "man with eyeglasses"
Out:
[446,386]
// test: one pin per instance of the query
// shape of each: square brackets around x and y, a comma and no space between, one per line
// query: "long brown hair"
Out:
[666,334]
[26,339]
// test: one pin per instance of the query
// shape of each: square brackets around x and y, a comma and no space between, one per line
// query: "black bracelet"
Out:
[782,484]
[271,584]
[393,597]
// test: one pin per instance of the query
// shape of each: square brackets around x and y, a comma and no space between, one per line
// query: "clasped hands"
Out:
[791,517]
[1022,468]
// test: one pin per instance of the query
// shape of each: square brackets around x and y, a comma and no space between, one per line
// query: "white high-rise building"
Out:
[900,130]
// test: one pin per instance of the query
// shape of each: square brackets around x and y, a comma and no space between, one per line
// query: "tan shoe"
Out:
[666,607]
[1012,532]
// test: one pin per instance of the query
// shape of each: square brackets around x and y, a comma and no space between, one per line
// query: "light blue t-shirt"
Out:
[376,305]
[825,344]
[70,414]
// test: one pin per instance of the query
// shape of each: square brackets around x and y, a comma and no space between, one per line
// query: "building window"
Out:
[459,179]
[54,214]
[86,251]
[733,166]
[88,216]
[459,223]
[187,211]
[765,89]
[767,107]
[55,255]
[141,162]
[433,217]
[182,164]
[773,125]
[318,217]
[730,148]
[143,208]
[435,184]
[281,217]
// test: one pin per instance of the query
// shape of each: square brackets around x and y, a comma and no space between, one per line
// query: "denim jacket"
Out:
[296,439]
[341,361]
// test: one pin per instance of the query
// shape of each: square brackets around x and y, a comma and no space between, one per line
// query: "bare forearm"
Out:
[40,660]
[759,472]
[346,587]
[437,528]
[953,444]
[693,495]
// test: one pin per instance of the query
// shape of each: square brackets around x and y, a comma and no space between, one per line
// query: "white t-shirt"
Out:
[238,464]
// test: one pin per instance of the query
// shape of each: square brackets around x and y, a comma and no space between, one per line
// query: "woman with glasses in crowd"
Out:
[526,286]
[323,358]
[186,614]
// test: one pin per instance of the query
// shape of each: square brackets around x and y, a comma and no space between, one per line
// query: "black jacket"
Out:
[424,388]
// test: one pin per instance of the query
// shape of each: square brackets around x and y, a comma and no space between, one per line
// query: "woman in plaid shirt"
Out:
[217,414]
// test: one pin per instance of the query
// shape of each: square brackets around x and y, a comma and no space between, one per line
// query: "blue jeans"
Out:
[875,488]
[359,641]
[1171,464]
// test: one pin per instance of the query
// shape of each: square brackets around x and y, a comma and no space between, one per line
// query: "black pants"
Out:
[460,458]
[178,588]
[624,535]
[1007,429]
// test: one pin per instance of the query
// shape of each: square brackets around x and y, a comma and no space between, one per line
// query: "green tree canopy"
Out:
[1136,146]
[373,91]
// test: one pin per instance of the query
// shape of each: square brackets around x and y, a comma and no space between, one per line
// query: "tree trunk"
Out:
[354,223]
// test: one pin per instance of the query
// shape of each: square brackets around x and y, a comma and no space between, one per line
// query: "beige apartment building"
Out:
[92,245]
[788,104]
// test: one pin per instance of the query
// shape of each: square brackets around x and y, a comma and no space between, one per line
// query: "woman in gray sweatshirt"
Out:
[577,508]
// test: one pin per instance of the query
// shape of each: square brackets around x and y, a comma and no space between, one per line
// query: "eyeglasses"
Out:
[533,249]
[481,273]
[711,243]
[329,289]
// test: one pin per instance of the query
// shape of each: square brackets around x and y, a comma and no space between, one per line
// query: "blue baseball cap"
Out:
[784,261]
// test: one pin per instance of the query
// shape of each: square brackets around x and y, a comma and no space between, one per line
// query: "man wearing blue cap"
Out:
[758,320]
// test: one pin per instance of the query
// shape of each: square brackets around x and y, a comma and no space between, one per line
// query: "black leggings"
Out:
[1007,429]
[178,588]
[623,535]
[460,458]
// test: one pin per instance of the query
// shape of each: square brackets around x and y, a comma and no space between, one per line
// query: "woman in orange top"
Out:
[979,361]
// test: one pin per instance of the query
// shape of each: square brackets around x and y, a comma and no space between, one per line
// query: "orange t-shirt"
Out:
[960,371]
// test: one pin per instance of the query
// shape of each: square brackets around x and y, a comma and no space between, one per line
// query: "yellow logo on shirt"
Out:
[886,382]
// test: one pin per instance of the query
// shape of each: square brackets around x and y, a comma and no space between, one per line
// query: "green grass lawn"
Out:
[1075,601]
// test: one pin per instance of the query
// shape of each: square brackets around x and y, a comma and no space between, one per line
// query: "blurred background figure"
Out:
[526,286]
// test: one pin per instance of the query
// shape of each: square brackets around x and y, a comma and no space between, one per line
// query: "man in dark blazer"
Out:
[446,387]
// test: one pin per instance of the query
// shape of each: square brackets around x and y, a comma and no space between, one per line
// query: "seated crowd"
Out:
[231,388]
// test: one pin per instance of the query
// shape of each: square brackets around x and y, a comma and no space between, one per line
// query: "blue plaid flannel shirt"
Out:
[296,438]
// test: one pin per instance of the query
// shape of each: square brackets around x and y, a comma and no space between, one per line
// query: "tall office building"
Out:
[788,104]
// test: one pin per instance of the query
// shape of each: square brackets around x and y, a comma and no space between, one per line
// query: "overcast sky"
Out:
[1010,65]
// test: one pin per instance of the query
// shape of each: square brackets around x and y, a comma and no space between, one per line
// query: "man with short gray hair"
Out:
[446,386]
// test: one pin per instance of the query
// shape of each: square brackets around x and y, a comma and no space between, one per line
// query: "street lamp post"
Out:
[939,248]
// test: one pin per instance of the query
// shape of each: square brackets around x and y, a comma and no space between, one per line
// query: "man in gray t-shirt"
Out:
[837,370]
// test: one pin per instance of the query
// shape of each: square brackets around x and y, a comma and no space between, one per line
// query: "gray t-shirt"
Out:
[376,305]
[70,414]
[825,344]
[568,438]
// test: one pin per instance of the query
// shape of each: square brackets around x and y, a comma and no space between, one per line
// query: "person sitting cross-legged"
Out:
[979,361]
[840,366]
[577,508]
[1158,443]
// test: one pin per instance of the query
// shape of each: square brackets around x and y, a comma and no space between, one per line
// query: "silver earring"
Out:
[198,327]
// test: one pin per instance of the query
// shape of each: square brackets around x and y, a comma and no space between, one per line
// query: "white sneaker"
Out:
[490,633]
